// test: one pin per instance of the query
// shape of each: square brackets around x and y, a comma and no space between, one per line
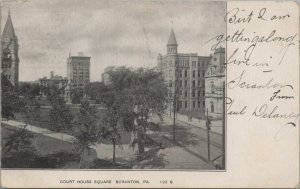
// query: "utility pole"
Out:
[175,103]
[223,128]
[208,140]
[174,113]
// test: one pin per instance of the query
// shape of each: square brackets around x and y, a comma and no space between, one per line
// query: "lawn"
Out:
[48,153]
[44,122]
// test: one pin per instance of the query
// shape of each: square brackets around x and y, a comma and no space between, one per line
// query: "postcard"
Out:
[149,94]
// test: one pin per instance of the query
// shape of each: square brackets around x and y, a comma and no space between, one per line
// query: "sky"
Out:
[112,33]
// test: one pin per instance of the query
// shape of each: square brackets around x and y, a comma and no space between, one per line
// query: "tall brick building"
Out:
[78,71]
[184,74]
[10,58]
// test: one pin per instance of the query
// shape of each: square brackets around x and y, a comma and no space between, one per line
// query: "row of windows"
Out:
[185,93]
[193,93]
[6,65]
[200,104]
[185,63]
[86,70]
[184,73]
[200,83]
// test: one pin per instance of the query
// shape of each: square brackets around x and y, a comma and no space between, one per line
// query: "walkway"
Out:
[104,151]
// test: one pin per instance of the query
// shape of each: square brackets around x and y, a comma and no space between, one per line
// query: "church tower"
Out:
[10,58]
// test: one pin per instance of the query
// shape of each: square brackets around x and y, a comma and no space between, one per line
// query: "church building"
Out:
[10,58]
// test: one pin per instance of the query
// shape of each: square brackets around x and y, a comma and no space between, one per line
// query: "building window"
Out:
[203,93]
[198,104]
[198,73]
[194,104]
[180,104]
[199,83]
[185,73]
[203,73]
[194,63]
[198,64]
[180,92]
[185,93]
[198,93]
[180,74]
[212,87]
[170,83]
[194,83]
[203,104]
[185,104]
[185,83]
[193,93]
[194,73]
[212,107]
[180,83]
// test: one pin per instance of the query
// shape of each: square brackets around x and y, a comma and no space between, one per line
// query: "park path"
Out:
[104,151]
[176,157]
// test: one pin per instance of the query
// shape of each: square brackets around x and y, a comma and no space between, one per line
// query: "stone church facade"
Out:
[10,58]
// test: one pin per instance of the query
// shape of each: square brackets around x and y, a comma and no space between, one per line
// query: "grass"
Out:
[44,122]
[49,153]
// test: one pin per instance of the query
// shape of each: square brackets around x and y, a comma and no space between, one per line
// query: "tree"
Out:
[19,140]
[141,93]
[94,90]
[87,131]
[29,89]
[76,96]
[60,115]
[32,109]
[111,124]
[10,101]
[19,147]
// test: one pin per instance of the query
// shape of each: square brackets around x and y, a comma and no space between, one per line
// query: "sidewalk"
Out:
[104,151]
[215,128]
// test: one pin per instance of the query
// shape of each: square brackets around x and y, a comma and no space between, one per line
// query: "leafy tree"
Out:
[10,101]
[28,89]
[60,115]
[141,93]
[77,96]
[94,90]
[32,109]
[87,131]
[19,147]
[54,94]
[19,140]
[111,123]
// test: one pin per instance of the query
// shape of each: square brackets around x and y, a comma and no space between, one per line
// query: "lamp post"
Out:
[222,89]
[208,138]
